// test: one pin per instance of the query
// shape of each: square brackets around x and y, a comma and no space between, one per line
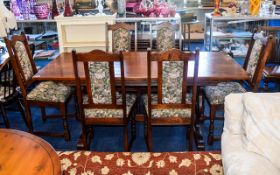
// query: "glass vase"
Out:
[255,7]
[121,7]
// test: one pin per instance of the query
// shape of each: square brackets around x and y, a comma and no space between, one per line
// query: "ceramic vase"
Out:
[41,10]
[121,7]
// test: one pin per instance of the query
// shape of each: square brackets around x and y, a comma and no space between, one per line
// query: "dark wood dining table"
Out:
[214,67]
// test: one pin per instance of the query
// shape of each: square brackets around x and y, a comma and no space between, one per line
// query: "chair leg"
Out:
[149,139]
[126,138]
[43,114]
[63,110]
[211,125]
[21,110]
[190,131]
[28,116]
[4,114]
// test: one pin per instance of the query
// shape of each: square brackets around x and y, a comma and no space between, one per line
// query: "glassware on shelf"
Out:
[216,11]
[121,7]
[255,7]
[67,8]
[55,11]
[41,10]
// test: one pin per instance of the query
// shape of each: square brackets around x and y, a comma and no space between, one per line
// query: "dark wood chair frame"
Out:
[10,95]
[253,84]
[25,86]
[100,56]
[114,27]
[274,58]
[172,55]
[175,27]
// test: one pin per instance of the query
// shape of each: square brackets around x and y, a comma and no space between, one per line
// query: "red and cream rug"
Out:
[126,163]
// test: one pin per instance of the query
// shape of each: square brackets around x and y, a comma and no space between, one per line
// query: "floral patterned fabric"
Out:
[99,73]
[140,163]
[50,91]
[2,92]
[161,113]
[254,57]
[165,38]
[172,79]
[111,113]
[24,60]
[216,94]
[121,40]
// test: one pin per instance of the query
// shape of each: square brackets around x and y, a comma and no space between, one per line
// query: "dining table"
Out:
[214,67]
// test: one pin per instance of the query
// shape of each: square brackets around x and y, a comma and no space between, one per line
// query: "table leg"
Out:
[198,133]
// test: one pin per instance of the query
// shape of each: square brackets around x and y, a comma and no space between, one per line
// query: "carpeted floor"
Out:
[110,139]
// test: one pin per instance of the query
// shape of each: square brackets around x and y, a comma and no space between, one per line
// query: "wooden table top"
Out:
[23,153]
[213,67]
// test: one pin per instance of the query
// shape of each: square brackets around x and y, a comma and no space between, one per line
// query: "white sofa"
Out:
[237,160]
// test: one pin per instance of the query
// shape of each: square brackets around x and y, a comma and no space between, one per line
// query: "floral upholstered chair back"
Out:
[23,57]
[166,33]
[99,74]
[258,52]
[173,73]
[172,81]
[121,36]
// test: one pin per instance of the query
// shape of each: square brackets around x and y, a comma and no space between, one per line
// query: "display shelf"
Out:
[236,29]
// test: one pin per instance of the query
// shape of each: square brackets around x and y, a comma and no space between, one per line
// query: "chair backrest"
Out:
[274,57]
[25,65]
[100,79]
[166,36]
[121,36]
[173,78]
[257,55]
[7,81]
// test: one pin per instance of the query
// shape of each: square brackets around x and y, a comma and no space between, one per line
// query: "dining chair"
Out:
[166,36]
[257,55]
[271,72]
[105,101]
[8,93]
[121,36]
[42,94]
[171,104]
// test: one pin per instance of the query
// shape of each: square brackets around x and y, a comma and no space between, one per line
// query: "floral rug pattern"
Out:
[140,163]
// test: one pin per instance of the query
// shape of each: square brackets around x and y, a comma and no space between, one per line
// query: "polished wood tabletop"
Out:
[23,153]
[213,67]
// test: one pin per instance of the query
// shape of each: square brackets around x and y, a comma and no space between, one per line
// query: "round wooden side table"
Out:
[22,153]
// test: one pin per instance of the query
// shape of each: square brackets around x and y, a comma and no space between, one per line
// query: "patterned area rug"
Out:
[126,163]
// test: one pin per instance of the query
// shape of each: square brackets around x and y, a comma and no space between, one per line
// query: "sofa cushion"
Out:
[237,160]
[233,112]
[261,121]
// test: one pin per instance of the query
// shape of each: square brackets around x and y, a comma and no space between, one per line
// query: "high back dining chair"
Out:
[8,92]
[271,72]
[42,94]
[166,36]
[172,104]
[121,36]
[258,52]
[102,104]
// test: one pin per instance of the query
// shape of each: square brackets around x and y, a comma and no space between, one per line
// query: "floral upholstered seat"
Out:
[2,92]
[50,91]
[156,113]
[216,94]
[110,113]
[165,38]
